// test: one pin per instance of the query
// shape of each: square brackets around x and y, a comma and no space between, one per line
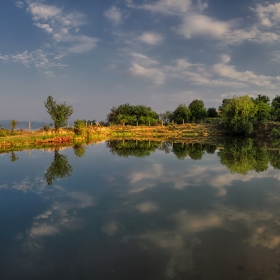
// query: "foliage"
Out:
[238,114]
[275,108]
[212,113]
[13,124]
[79,126]
[263,109]
[197,109]
[131,114]
[60,168]
[58,112]
[182,113]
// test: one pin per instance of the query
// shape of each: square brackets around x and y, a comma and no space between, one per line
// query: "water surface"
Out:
[141,210]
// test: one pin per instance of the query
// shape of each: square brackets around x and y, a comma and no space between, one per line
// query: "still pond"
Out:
[132,210]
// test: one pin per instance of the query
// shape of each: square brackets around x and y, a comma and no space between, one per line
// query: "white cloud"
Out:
[225,58]
[169,6]
[63,28]
[151,38]
[202,25]
[19,4]
[269,15]
[114,15]
[45,26]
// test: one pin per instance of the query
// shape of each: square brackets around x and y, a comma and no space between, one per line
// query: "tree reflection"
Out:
[60,168]
[132,148]
[197,151]
[79,150]
[242,156]
[181,150]
[13,157]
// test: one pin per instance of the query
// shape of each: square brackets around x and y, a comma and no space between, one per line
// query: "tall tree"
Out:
[275,108]
[182,113]
[59,113]
[197,109]
[127,113]
[212,113]
[264,109]
[238,114]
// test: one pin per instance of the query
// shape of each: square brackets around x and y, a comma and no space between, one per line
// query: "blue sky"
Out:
[160,53]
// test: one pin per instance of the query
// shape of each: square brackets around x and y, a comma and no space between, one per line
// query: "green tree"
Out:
[182,113]
[212,113]
[58,112]
[197,109]
[238,114]
[60,168]
[126,113]
[13,124]
[275,108]
[263,109]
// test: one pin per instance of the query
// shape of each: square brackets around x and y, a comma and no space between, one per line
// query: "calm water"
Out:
[141,210]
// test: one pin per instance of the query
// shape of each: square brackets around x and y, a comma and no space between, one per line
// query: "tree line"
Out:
[239,115]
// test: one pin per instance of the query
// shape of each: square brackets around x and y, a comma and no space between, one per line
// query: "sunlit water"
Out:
[154,211]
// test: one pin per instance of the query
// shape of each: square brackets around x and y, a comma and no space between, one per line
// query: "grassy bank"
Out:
[29,139]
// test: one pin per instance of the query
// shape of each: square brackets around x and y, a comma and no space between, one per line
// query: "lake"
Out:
[141,210]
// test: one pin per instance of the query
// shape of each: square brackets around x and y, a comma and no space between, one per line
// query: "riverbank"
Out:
[69,136]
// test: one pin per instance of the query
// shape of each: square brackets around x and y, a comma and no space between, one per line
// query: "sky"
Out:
[160,53]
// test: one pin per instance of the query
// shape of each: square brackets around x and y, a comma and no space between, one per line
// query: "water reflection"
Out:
[13,157]
[60,168]
[156,217]
[79,150]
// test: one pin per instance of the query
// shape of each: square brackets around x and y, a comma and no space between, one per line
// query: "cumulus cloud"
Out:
[269,15]
[168,6]
[114,14]
[202,25]
[151,38]
[64,31]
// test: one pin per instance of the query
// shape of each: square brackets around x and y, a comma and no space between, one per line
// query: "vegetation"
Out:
[59,113]
[14,123]
[134,115]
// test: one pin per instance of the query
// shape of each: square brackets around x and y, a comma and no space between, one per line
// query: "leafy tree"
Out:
[58,112]
[13,124]
[127,113]
[263,109]
[275,108]
[238,114]
[212,113]
[181,113]
[60,168]
[197,109]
